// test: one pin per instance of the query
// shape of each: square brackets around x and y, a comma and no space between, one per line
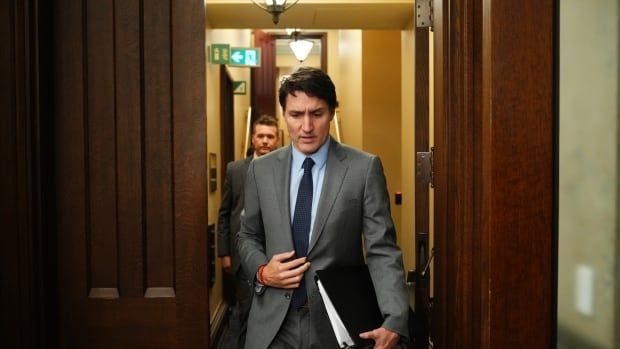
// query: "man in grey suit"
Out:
[264,140]
[305,215]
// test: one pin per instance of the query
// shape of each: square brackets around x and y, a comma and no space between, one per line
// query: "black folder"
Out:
[351,292]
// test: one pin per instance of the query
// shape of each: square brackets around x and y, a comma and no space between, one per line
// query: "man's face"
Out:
[307,119]
[264,139]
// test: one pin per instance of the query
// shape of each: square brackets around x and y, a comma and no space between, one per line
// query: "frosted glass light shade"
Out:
[301,48]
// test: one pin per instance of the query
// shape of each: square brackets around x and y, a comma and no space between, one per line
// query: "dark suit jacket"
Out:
[230,210]
[353,213]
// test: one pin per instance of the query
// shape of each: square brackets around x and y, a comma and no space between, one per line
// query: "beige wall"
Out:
[588,188]
[349,86]
[292,62]
[381,106]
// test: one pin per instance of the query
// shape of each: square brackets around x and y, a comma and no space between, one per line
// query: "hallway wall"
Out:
[349,86]
[381,104]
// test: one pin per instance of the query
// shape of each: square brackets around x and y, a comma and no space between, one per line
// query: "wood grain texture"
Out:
[27,272]
[101,146]
[494,146]
[520,172]
[15,266]
[70,130]
[190,178]
[129,138]
[158,174]
[131,181]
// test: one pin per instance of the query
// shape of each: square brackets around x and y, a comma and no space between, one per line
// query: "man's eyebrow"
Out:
[309,110]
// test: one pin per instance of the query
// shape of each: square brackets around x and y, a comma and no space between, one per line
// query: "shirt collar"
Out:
[319,157]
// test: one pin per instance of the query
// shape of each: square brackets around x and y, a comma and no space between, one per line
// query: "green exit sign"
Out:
[220,53]
[244,57]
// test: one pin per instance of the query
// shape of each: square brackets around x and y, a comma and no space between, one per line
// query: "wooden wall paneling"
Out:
[480,258]
[130,169]
[158,148]
[21,146]
[441,326]
[518,107]
[15,272]
[26,263]
[190,190]
[101,151]
[129,135]
[494,144]
[71,165]
[458,149]
[40,16]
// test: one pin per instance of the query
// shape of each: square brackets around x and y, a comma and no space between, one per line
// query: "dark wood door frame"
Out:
[422,196]
[494,174]
[27,261]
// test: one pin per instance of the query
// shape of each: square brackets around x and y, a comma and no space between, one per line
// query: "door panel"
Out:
[494,141]
[130,174]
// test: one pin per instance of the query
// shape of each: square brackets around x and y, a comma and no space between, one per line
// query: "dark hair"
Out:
[266,120]
[313,82]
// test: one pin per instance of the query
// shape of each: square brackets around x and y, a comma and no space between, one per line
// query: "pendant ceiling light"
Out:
[301,47]
[275,7]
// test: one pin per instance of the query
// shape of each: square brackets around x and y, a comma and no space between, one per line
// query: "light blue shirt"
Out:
[318,171]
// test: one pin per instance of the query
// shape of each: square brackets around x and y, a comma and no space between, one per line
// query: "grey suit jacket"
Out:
[353,212]
[230,210]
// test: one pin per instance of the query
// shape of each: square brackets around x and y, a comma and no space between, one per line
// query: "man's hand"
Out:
[284,273]
[384,338]
[226,262]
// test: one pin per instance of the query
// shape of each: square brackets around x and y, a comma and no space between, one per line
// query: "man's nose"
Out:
[307,123]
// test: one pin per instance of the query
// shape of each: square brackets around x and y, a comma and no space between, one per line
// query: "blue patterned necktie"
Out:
[301,226]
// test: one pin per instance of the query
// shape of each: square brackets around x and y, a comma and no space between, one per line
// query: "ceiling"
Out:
[312,14]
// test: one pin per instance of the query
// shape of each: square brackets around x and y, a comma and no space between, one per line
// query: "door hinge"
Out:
[424,169]
[424,13]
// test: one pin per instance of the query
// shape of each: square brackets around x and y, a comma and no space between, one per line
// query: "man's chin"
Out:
[307,148]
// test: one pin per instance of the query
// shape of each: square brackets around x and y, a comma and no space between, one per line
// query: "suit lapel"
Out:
[334,176]
[281,182]
[244,170]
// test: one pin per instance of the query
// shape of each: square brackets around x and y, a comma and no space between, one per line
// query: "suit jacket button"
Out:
[287,296]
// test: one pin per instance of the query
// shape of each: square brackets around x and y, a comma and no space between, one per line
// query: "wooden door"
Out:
[494,174]
[130,173]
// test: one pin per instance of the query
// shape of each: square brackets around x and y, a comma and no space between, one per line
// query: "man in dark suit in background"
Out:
[313,205]
[264,140]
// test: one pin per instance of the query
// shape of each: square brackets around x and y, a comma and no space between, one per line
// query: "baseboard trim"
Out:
[218,321]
